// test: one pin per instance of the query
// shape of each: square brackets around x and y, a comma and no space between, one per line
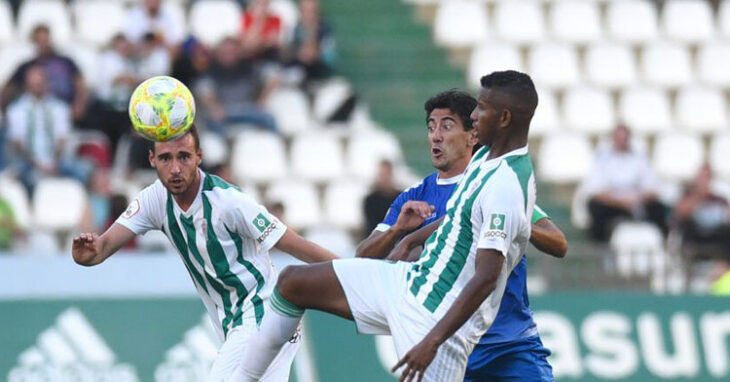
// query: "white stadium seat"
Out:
[667,65]
[258,156]
[519,22]
[53,13]
[58,204]
[97,21]
[677,156]
[367,148]
[713,61]
[290,108]
[553,65]
[11,56]
[489,57]
[589,110]
[329,97]
[719,157]
[7,25]
[460,24]
[645,109]
[564,158]
[334,239]
[688,21]
[13,192]
[343,203]
[723,18]
[225,13]
[632,21]
[289,15]
[547,117]
[610,65]
[177,12]
[575,21]
[214,148]
[300,201]
[639,249]
[317,156]
[701,109]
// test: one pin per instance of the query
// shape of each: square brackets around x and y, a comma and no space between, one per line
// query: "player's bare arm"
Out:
[488,265]
[548,238]
[379,244]
[303,249]
[91,249]
[413,240]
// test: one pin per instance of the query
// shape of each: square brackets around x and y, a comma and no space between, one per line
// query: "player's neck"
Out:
[186,199]
[455,170]
[503,144]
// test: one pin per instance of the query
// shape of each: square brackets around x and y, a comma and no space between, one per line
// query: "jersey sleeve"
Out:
[539,214]
[503,218]
[392,215]
[255,222]
[145,212]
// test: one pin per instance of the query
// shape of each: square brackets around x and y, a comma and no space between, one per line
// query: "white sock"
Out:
[278,326]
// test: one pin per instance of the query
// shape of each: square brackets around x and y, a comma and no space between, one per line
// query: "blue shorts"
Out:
[522,360]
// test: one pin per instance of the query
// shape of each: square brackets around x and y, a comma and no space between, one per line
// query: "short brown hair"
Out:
[192,131]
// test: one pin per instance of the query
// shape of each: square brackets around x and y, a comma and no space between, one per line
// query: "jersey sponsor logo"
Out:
[496,227]
[132,209]
[261,222]
[70,348]
[266,232]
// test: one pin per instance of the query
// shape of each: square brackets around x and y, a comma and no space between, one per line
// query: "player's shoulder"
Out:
[222,193]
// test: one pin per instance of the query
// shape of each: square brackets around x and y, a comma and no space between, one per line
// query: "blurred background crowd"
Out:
[630,139]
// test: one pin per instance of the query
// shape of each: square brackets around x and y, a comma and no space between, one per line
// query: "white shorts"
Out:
[378,296]
[230,355]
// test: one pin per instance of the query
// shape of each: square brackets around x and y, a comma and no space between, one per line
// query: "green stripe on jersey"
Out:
[258,305]
[538,214]
[522,166]
[457,260]
[182,247]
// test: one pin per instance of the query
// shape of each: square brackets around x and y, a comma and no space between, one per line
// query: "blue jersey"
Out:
[514,318]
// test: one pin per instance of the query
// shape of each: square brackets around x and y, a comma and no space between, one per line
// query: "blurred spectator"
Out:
[99,202]
[38,125]
[151,17]
[260,31]
[234,90]
[276,208]
[377,202]
[703,217]
[312,51]
[622,185]
[152,58]
[192,63]
[65,81]
[9,228]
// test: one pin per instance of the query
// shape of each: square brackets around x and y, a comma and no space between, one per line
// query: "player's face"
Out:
[177,163]
[486,116]
[450,142]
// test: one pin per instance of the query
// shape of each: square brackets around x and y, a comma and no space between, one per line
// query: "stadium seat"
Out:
[7,25]
[54,13]
[93,29]
[723,18]
[589,110]
[154,241]
[469,16]
[610,65]
[547,117]
[335,239]
[489,57]
[701,109]
[645,110]
[14,193]
[519,22]
[564,158]
[720,155]
[258,156]
[667,65]
[58,204]
[227,16]
[713,61]
[11,56]
[289,15]
[316,156]
[215,149]
[291,110]
[41,243]
[639,249]
[329,97]
[300,200]
[177,11]
[688,21]
[343,203]
[677,156]
[553,65]
[365,150]
[632,21]
[575,21]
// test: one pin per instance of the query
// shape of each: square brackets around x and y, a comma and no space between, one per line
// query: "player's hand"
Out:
[416,361]
[413,214]
[84,246]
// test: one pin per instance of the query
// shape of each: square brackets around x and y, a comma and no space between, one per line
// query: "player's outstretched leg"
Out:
[299,287]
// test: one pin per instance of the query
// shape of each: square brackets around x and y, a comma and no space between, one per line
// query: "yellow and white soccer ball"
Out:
[162,108]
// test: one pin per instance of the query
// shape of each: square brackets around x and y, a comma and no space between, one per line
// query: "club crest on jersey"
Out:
[261,222]
[131,210]
[496,227]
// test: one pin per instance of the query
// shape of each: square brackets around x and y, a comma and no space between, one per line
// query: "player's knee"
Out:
[288,281]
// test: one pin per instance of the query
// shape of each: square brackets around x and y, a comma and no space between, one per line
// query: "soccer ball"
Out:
[162,108]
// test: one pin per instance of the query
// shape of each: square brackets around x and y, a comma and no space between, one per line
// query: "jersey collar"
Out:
[444,181]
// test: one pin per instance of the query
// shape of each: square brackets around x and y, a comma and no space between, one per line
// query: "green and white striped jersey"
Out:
[224,240]
[490,209]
